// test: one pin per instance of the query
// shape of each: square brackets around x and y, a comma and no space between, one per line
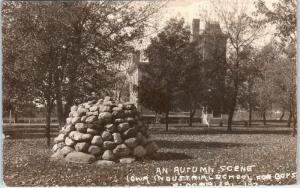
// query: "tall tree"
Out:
[191,80]
[159,83]
[283,16]
[242,31]
[71,48]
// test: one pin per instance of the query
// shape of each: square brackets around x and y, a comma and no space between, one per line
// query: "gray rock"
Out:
[100,101]
[106,98]
[67,129]
[131,142]
[129,113]
[97,140]
[119,120]
[95,113]
[95,150]
[106,136]
[92,131]
[60,138]
[81,111]
[127,160]
[129,106]
[76,120]
[91,119]
[82,146]
[69,120]
[83,118]
[58,146]
[94,108]
[104,163]
[90,125]
[108,155]
[107,103]
[130,120]
[109,145]
[104,108]
[121,150]
[56,156]
[87,105]
[151,148]
[111,128]
[105,116]
[71,114]
[123,127]
[118,114]
[117,109]
[117,138]
[139,151]
[74,108]
[131,132]
[66,150]
[69,142]
[80,157]
[81,127]
[77,136]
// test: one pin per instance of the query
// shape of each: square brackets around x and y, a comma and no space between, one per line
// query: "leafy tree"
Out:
[242,30]
[250,72]
[283,16]
[192,85]
[159,84]
[70,49]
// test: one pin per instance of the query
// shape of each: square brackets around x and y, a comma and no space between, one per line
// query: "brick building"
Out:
[211,41]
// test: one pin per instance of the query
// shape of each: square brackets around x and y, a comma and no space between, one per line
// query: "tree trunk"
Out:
[48,121]
[250,115]
[282,115]
[192,113]
[293,118]
[59,105]
[264,118]
[289,120]
[167,120]
[16,116]
[232,109]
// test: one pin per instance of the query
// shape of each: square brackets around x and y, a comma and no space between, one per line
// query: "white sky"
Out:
[202,9]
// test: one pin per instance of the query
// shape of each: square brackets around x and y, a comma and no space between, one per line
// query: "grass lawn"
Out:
[268,150]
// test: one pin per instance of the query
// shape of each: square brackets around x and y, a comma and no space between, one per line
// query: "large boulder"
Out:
[121,150]
[82,146]
[77,136]
[80,157]
[104,163]
[97,140]
[108,155]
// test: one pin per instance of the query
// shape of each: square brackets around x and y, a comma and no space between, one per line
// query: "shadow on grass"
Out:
[196,145]
[166,156]
[202,131]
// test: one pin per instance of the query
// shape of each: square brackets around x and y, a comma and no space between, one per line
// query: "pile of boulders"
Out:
[103,132]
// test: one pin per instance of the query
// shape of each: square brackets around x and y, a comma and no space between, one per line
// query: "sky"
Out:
[202,9]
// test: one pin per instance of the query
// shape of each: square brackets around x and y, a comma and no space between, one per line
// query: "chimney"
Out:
[196,29]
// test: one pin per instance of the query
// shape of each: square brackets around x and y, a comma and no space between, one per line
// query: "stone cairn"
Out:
[103,132]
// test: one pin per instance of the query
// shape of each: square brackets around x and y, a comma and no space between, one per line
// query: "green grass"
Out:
[26,161]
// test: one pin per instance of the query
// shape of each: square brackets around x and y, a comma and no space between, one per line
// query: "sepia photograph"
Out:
[149,93]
